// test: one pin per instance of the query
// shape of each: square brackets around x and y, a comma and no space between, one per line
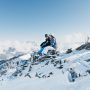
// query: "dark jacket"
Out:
[46,43]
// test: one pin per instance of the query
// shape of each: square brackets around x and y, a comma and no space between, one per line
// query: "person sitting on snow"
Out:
[45,43]
[50,40]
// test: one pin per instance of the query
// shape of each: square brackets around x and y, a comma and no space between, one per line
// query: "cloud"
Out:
[68,41]
[72,40]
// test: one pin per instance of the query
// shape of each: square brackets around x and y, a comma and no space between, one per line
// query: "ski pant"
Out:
[40,51]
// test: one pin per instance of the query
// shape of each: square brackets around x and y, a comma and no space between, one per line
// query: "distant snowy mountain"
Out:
[22,46]
[10,49]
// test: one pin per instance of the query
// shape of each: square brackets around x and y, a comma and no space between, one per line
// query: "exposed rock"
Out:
[69,51]
[84,46]
[28,75]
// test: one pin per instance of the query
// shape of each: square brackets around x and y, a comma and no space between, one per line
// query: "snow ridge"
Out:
[61,71]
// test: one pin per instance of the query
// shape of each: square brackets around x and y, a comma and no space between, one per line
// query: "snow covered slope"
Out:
[64,71]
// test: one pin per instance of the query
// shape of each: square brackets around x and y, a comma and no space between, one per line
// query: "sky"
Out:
[31,19]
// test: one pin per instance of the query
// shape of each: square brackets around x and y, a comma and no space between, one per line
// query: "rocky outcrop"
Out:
[84,46]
